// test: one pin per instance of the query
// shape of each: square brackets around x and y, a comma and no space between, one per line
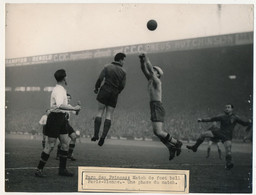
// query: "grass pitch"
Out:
[206,175]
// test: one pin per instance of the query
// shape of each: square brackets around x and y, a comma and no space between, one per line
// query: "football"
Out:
[152,25]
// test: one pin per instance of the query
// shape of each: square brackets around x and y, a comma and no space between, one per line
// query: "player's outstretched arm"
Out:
[243,122]
[79,104]
[205,120]
[143,66]
[149,66]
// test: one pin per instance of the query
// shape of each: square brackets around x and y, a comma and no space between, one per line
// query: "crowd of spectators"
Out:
[127,124]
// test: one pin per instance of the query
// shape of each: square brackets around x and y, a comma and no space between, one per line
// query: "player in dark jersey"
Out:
[228,121]
[114,77]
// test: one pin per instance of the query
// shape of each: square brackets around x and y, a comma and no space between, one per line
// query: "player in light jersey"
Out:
[71,134]
[56,125]
[42,122]
[153,75]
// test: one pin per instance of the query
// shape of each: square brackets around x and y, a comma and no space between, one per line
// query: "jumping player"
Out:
[56,125]
[42,122]
[228,121]
[71,134]
[115,79]
[153,75]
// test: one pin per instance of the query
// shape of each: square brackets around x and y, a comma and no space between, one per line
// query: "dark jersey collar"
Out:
[233,114]
[117,63]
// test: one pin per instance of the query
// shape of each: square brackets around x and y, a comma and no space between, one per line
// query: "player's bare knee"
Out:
[64,146]
[51,149]
[47,149]
[73,140]
[73,137]
[51,146]
[101,109]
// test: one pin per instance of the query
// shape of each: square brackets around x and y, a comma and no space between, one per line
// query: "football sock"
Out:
[228,158]
[43,144]
[43,160]
[168,138]
[97,124]
[58,150]
[164,140]
[71,149]
[107,125]
[208,151]
[219,152]
[173,141]
[63,159]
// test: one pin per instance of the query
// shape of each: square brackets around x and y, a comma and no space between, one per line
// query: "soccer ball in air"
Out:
[152,25]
